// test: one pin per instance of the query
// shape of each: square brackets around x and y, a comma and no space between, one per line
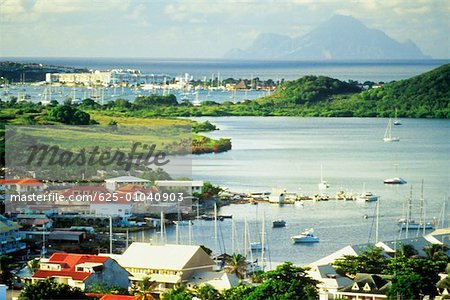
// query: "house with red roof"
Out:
[82,270]
[23,185]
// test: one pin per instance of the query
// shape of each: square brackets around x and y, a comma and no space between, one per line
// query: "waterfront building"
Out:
[111,77]
[23,185]
[329,281]
[113,184]
[10,237]
[82,271]
[194,186]
[365,286]
[166,265]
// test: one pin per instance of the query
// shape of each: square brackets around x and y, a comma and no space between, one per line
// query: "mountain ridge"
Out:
[339,38]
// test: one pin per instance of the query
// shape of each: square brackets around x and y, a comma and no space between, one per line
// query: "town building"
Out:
[82,271]
[10,237]
[366,286]
[329,280]
[113,184]
[23,185]
[193,186]
[106,78]
[167,265]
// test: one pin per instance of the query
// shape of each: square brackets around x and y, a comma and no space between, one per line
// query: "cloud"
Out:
[200,27]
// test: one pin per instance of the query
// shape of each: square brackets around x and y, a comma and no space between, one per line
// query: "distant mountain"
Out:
[339,38]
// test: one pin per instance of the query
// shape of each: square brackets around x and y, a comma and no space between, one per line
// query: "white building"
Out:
[193,186]
[115,183]
[167,265]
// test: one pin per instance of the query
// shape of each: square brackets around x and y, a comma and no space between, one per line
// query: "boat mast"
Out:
[190,232]
[408,212]
[422,219]
[215,228]
[162,227]
[245,236]
[110,235]
[232,236]
[263,228]
[378,221]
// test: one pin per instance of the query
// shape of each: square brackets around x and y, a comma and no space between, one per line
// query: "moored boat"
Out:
[395,180]
[278,223]
[306,236]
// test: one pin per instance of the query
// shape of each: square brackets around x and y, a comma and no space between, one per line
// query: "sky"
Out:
[200,28]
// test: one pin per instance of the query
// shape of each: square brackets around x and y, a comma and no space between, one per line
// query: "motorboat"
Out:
[278,223]
[256,246]
[367,197]
[395,180]
[306,236]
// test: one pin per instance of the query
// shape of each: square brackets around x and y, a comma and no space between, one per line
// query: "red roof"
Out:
[79,276]
[23,181]
[84,190]
[74,259]
[68,261]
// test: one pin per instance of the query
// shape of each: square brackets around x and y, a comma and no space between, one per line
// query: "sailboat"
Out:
[323,185]
[396,121]
[408,223]
[388,133]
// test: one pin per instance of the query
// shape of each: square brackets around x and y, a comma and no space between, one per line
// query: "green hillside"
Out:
[423,96]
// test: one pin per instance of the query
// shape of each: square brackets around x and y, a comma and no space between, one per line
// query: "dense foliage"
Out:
[49,289]
[70,115]
[423,96]
[371,260]
[311,89]
[412,275]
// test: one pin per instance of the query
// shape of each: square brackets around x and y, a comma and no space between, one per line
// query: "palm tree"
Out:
[144,289]
[236,264]
[436,252]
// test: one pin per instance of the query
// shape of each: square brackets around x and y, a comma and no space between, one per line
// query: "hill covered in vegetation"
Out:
[423,96]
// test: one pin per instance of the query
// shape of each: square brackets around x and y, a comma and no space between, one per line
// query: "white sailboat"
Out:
[396,121]
[388,133]
[408,223]
[323,185]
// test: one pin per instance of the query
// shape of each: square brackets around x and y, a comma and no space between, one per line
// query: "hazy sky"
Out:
[201,28]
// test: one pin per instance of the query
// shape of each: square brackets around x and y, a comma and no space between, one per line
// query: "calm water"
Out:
[288,153]
[344,70]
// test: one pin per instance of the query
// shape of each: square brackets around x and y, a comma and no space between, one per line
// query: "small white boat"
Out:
[183,223]
[306,236]
[388,133]
[367,197]
[395,180]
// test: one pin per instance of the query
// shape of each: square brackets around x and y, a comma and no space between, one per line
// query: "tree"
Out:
[207,292]
[144,288]
[69,115]
[5,269]
[372,260]
[239,292]
[414,275]
[178,293]
[49,289]
[286,282]
[236,264]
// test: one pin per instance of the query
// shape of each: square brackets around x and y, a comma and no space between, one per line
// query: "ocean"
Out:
[289,152]
[383,70]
